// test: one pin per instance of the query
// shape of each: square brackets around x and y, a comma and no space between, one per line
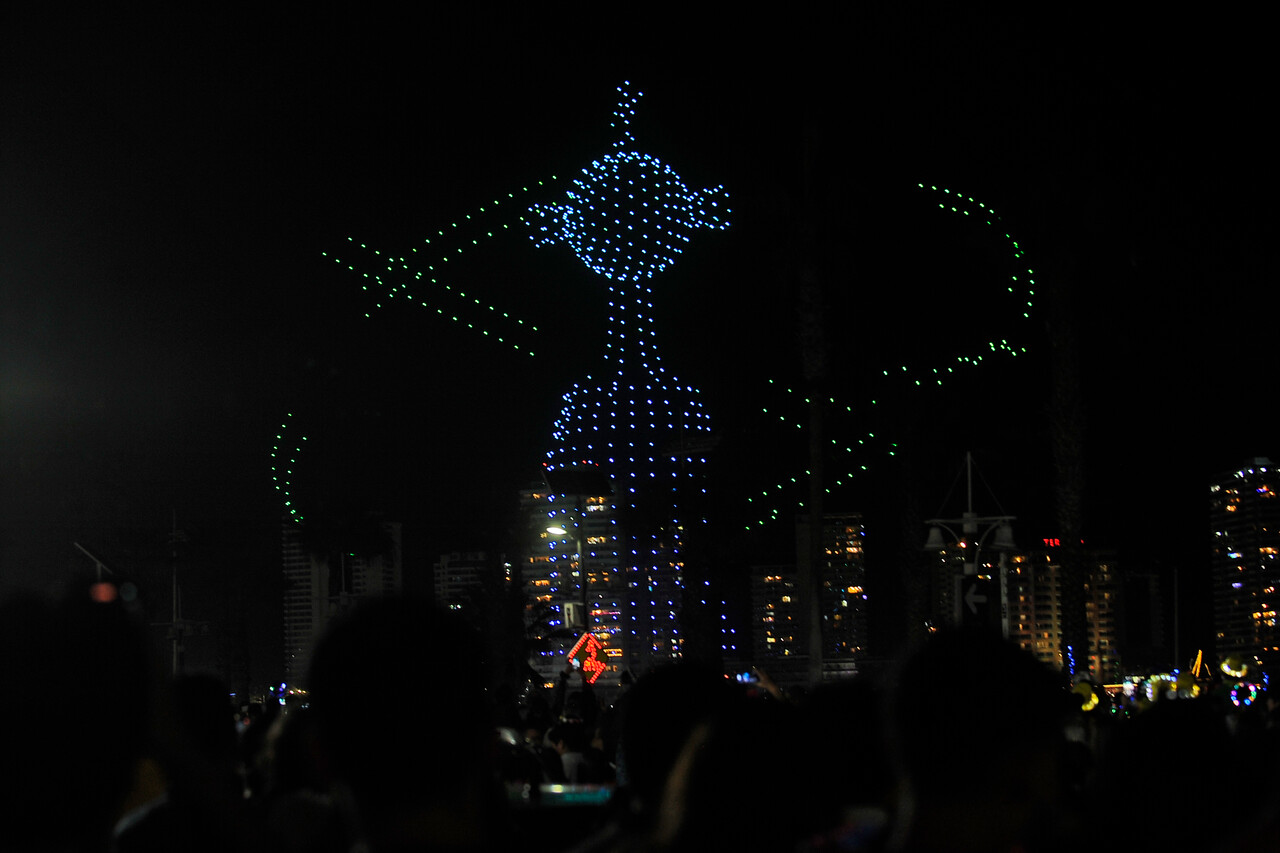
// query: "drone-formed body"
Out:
[627,218]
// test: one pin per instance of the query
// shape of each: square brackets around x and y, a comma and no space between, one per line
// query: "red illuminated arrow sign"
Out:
[587,653]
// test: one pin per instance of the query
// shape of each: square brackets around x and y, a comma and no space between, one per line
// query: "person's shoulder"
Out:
[865,830]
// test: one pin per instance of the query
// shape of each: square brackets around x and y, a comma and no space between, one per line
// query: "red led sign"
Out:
[587,653]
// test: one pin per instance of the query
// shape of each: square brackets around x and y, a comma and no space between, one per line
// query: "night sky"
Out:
[171,181]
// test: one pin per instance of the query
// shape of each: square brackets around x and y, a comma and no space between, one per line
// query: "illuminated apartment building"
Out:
[843,602]
[780,619]
[1103,605]
[776,617]
[1245,516]
[1034,583]
[558,609]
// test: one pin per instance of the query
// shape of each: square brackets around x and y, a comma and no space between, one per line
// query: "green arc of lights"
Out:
[283,460]
[1020,285]
[400,277]
[392,276]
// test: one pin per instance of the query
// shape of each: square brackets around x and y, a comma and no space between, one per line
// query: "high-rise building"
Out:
[320,583]
[1142,638]
[1103,606]
[1034,583]
[460,580]
[305,611]
[1244,513]
[775,614]
[842,600]
[375,572]
[781,618]
[573,580]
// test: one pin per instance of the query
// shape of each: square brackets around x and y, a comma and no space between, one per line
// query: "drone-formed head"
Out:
[629,214]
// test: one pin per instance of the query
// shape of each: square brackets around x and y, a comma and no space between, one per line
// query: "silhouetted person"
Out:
[657,717]
[292,802]
[580,766]
[408,741]
[202,808]
[1178,751]
[975,727]
[74,683]
[579,704]
[842,751]
[738,784]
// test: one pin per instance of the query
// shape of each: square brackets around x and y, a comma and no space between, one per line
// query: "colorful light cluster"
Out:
[1244,694]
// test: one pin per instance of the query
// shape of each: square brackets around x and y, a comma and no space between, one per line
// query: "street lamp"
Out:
[974,531]
[583,485]
[968,539]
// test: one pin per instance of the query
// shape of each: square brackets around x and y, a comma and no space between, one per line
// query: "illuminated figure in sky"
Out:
[627,218]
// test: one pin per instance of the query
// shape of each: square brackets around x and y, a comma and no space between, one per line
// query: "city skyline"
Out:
[172,193]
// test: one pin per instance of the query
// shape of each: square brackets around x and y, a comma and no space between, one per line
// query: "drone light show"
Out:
[628,216]
[626,219]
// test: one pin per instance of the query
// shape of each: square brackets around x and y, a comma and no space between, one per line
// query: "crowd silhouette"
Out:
[967,744]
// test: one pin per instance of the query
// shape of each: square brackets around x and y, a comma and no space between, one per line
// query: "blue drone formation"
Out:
[629,212]
[626,219]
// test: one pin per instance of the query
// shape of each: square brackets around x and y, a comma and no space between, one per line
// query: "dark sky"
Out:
[171,180]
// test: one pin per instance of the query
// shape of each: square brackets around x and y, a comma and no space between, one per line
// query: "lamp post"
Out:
[974,530]
[579,561]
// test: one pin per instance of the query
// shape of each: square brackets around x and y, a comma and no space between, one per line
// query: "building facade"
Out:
[781,617]
[573,575]
[843,599]
[775,614]
[459,580]
[305,611]
[320,583]
[1034,584]
[1244,514]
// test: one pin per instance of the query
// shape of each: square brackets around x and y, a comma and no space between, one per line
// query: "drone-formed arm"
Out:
[710,213]
[551,225]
